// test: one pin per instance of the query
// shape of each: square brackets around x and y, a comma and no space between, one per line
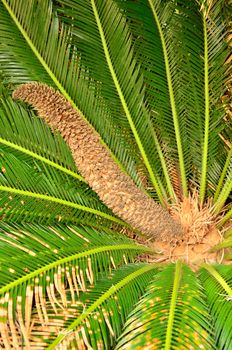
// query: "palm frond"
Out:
[218,289]
[57,265]
[160,15]
[224,187]
[176,31]
[171,314]
[223,174]
[216,74]
[157,49]
[107,300]
[227,216]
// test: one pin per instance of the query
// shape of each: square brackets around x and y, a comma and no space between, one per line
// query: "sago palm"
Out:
[116,174]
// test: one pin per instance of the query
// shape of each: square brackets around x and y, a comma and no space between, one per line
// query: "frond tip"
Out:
[95,164]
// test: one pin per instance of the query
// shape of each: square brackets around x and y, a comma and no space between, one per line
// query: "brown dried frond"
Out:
[44,312]
[37,334]
[115,189]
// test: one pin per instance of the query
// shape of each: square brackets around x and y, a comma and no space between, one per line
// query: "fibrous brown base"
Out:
[192,253]
[200,235]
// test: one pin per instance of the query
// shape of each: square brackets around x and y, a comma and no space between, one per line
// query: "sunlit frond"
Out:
[172,314]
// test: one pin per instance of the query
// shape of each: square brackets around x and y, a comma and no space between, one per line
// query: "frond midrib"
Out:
[222,177]
[214,273]
[62,202]
[41,158]
[65,260]
[176,284]
[172,100]
[207,114]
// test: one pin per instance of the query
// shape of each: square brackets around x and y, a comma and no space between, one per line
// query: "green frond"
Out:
[49,264]
[172,314]
[44,248]
[224,188]
[159,13]
[216,74]
[223,174]
[86,39]
[109,302]
[127,79]
[227,216]
[227,244]
[156,28]
[218,289]
[175,30]
[59,265]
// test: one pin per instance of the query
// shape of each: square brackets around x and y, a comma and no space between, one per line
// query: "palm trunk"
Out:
[115,189]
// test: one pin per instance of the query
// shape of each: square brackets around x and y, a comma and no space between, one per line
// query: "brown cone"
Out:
[115,189]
